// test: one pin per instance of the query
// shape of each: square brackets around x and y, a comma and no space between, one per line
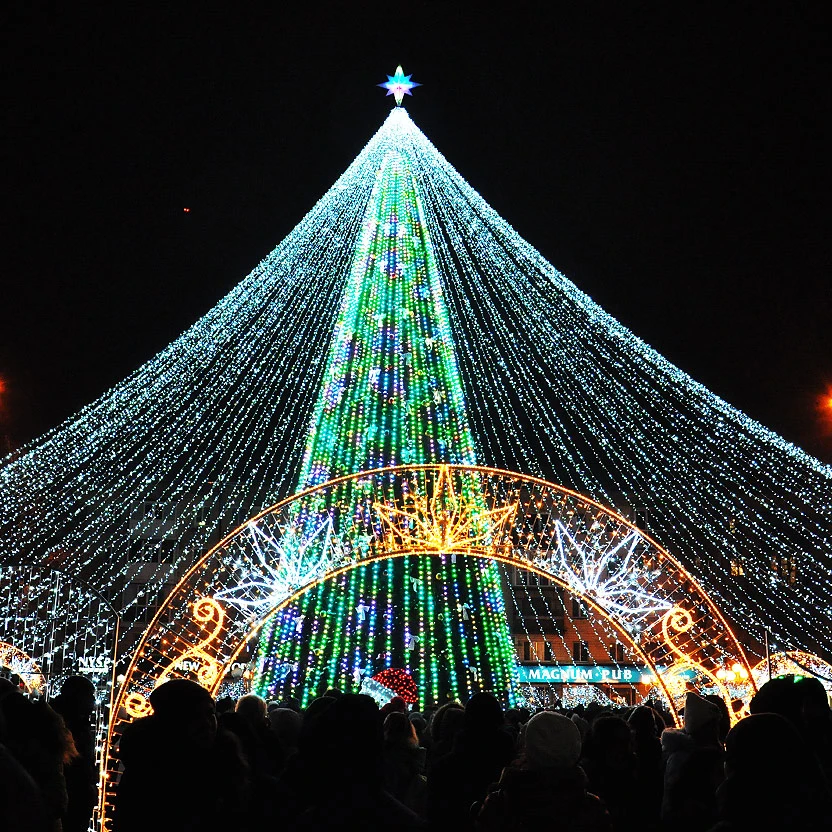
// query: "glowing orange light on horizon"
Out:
[824,408]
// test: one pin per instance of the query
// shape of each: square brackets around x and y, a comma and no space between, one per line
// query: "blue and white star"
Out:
[399,85]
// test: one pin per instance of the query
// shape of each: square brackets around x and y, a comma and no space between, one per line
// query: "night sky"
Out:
[675,167]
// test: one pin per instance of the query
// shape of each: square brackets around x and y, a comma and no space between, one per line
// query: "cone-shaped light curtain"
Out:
[391,394]
[136,486]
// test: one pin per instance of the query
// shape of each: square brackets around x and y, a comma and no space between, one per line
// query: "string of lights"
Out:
[214,428]
[391,394]
[53,627]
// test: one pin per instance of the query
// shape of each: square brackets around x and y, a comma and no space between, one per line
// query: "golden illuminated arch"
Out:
[23,666]
[796,662]
[619,572]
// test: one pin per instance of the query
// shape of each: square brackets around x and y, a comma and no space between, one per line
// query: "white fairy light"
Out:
[213,427]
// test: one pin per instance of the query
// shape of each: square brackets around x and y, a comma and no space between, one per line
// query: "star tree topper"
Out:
[399,85]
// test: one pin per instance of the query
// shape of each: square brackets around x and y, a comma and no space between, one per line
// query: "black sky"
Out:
[673,163]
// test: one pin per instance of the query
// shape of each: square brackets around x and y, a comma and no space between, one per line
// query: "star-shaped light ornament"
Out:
[279,564]
[444,522]
[608,575]
[399,85]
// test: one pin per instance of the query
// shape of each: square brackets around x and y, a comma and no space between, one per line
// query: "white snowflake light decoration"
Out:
[609,575]
[280,565]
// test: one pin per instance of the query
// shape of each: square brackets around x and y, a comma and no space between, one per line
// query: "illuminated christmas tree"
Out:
[391,394]
[500,358]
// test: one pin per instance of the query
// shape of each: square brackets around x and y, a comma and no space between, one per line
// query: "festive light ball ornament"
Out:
[400,682]
[399,85]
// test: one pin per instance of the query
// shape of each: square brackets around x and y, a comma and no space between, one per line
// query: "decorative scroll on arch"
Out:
[653,603]
[195,658]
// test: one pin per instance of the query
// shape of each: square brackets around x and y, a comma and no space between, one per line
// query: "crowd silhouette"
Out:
[343,763]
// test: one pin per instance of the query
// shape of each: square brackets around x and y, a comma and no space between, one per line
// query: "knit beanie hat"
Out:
[552,740]
[698,712]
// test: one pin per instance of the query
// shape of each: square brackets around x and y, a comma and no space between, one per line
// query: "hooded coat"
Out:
[692,774]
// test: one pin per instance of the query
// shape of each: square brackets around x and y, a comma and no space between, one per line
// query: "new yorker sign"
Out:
[594,674]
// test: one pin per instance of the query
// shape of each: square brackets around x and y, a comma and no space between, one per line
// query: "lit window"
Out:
[580,651]
[737,569]
[785,567]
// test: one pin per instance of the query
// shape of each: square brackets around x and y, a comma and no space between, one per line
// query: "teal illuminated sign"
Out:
[594,674]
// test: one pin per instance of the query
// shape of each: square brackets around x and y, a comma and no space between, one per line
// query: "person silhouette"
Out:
[169,753]
[76,704]
[772,779]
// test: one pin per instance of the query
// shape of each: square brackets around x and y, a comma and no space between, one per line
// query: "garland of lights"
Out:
[391,393]
[54,627]
[207,433]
